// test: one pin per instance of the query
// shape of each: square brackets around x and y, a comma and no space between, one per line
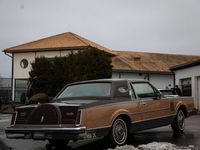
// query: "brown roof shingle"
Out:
[148,62]
[123,61]
[62,41]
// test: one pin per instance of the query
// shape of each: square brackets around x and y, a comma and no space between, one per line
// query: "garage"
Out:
[187,77]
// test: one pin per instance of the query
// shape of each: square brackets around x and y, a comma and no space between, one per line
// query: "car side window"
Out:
[143,90]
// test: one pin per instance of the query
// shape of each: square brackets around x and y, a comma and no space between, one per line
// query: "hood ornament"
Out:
[42,119]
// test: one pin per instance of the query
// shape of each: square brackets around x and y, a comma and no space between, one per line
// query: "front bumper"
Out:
[73,133]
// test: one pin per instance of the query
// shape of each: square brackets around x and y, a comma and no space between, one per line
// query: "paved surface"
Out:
[163,134]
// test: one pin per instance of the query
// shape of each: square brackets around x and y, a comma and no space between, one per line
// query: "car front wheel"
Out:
[119,132]
[178,125]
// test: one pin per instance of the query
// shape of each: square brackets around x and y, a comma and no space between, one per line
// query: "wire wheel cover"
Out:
[119,131]
[181,120]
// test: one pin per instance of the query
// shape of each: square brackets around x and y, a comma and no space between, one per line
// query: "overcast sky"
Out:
[165,26]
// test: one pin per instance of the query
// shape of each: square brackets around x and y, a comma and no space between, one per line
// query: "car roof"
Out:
[109,80]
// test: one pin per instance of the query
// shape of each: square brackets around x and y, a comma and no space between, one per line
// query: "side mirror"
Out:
[158,95]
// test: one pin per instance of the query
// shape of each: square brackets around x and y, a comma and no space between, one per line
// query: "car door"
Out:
[154,110]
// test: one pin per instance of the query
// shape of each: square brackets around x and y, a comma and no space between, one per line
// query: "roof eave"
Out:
[53,49]
[185,65]
[44,49]
[142,71]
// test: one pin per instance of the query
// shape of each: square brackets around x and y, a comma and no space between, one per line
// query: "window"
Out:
[143,90]
[20,87]
[186,87]
[24,63]
[86,90]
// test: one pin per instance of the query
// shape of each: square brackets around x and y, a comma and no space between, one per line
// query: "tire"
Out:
[58,143]
[119,132]
[178,124]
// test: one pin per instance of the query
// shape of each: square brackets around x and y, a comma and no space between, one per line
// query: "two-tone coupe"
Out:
[100,108]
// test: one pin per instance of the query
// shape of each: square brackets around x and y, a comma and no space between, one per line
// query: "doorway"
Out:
[198,93]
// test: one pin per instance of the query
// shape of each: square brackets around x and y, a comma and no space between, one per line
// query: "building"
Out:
[187,77]
[5,90]
[126,64]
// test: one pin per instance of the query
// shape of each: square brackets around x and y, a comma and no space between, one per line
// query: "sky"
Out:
[161,26]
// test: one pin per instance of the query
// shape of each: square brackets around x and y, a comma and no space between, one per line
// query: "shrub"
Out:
[53,73]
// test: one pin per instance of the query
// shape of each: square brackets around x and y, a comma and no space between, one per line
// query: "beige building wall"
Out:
[21,75]
[194,74]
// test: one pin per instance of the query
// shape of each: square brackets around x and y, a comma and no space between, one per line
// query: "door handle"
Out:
[144,103]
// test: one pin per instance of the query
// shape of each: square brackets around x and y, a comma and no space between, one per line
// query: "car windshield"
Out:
[86,90]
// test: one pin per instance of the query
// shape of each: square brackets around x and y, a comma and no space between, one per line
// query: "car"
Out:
[168,93]
[109,108]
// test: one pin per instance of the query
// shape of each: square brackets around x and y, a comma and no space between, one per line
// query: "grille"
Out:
[44,114]
[23,114]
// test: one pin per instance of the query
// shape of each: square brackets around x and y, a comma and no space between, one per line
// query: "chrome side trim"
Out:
[172,115]
[45,129]
[98,128]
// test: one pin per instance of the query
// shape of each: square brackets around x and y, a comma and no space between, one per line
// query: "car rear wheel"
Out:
[119,132]
[178,125]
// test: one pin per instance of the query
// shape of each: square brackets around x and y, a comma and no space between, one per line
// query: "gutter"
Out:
[7,54]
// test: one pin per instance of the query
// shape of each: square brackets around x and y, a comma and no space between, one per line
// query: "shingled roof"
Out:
[64,41]
[131,61]
[127,61]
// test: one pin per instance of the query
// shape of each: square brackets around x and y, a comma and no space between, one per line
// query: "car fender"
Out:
[179,105]
[118,113]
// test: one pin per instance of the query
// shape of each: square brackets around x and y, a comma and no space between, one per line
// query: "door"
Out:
[198,93]
[153,109]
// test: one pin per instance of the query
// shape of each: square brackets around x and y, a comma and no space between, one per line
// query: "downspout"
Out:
[11,56]
[8,54]
[148,76]
[174,79]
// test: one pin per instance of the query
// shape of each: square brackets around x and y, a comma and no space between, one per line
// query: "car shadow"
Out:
[135,140]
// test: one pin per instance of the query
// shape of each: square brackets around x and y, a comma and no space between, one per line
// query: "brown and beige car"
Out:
[100,108]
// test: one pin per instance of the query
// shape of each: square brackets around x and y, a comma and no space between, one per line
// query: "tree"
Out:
[92,64]
[51,74]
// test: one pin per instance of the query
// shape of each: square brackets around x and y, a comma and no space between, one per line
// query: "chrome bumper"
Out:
[46,133]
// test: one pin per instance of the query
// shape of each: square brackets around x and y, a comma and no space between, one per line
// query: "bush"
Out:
[53,73]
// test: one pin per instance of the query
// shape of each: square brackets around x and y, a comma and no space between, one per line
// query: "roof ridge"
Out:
[36,40]
[79,38]
[93,44]
[154,53]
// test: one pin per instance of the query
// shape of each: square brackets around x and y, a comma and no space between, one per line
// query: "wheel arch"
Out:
[184,109]
[125,117]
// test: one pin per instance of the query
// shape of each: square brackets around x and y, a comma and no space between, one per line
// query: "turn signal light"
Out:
[78,118]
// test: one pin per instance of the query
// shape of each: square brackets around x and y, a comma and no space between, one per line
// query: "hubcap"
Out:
[119,131]
[181,120]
